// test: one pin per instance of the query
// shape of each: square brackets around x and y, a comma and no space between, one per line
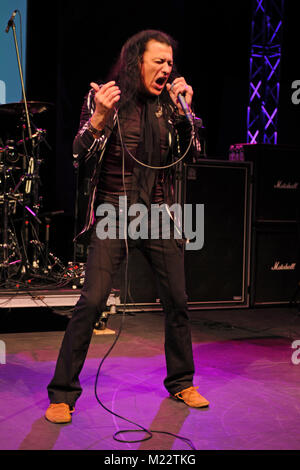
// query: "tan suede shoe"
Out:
[59,413]
[192,398]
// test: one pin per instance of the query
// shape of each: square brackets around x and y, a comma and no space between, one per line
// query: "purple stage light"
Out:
[255,92]
[259,6]
[264,78]
[270,118]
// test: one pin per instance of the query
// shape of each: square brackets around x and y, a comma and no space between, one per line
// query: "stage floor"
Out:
[245,366]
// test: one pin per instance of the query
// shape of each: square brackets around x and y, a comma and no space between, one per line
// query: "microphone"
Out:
[185,107]
[10,22]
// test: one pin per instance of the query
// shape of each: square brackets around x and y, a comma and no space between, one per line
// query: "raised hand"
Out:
[106,96]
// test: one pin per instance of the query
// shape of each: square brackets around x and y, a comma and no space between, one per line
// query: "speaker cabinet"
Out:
[217,275]
[275,237]
[275,270]
[276,182]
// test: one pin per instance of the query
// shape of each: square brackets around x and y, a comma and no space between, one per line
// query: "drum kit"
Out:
[22,254]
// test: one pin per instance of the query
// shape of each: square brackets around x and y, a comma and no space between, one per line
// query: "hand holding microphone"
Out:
[181,95]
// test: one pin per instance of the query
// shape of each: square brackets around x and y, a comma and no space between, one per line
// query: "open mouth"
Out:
[160,81]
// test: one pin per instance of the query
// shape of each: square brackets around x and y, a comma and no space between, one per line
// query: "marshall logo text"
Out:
[282,185]
[283,267]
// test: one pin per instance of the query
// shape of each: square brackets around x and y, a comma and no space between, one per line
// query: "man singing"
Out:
[131,126]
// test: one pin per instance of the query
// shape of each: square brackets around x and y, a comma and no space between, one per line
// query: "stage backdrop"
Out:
[10,84]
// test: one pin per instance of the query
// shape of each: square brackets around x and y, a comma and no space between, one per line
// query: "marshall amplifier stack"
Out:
[275,221]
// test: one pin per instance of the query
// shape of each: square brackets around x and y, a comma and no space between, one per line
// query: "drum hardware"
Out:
[21,251]
[9,154]
[22,191]
[20,202]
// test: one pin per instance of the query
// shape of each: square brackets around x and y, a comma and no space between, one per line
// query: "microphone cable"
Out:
[149,432]
[164,167]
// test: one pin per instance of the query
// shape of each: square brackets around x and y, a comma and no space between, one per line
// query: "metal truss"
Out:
[264,80]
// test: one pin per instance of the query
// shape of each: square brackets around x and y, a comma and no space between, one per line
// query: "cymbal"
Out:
[34,107]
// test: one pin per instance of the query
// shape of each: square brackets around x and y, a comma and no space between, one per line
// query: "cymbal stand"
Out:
[32,175]
[12,25]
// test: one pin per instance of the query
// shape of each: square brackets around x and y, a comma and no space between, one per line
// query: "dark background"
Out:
[71,43]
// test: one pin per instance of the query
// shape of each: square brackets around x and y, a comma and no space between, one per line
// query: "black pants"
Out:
[104,259]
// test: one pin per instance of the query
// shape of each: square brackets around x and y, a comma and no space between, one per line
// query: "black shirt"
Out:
[111,184]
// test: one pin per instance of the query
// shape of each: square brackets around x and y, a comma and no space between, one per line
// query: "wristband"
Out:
[96,132]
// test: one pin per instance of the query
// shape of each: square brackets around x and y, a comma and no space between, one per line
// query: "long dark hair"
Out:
[126,71]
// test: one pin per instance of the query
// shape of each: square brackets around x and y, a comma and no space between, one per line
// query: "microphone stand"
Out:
[22,80]
[31,160]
